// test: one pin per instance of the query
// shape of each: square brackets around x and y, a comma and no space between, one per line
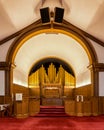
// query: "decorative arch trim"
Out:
[53,27]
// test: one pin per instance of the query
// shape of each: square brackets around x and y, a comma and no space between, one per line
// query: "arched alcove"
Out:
[51,79]
[57,62]
[42,46]
[67,45]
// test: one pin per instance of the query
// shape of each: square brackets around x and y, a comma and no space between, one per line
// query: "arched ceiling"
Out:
[43,46]
[85,14]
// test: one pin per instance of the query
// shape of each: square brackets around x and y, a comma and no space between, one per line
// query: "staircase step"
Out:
[51,106]
[52,115]
[52,111]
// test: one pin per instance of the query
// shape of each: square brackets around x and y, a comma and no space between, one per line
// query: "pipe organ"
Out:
[51,81]
[69,80]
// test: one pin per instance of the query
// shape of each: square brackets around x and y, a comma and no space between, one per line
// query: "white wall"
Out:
[2,83]
[4,49]
[99,51]
[20,78]
[82,79]
[101,83]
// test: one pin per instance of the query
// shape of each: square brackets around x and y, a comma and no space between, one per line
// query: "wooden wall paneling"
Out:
[95,106]
[34,106]
[87,108]
[84,90]
[18,109]
[68,92]
[70,107]
[25,106]
[20,89]
[2,99]
[9,100]
[101,105]
[34,92]
[21,108]
[79,108]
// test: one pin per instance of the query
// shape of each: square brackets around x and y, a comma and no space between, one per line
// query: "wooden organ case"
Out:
[51,82]
[52,86]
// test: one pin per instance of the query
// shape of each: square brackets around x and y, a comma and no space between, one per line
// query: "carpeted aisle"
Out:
[45,120]
[53,123]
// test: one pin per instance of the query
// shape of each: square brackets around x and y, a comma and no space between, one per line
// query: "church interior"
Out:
[51,54]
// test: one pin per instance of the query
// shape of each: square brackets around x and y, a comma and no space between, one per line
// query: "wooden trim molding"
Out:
[93,38]
[4,66]
[79,37]
[7,67]
[95,69]
[53,27]
[18,33]
[97,66]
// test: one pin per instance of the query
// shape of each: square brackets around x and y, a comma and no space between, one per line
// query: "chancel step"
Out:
[52,111]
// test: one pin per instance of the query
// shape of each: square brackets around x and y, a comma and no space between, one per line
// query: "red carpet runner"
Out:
[52,111]
[54,120]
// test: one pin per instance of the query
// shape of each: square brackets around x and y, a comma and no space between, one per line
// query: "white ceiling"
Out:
[45,46]
[85,14]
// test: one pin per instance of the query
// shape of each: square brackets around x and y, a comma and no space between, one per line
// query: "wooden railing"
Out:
[94,106]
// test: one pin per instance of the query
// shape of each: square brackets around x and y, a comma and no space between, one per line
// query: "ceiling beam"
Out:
[6,39]
[91,37]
